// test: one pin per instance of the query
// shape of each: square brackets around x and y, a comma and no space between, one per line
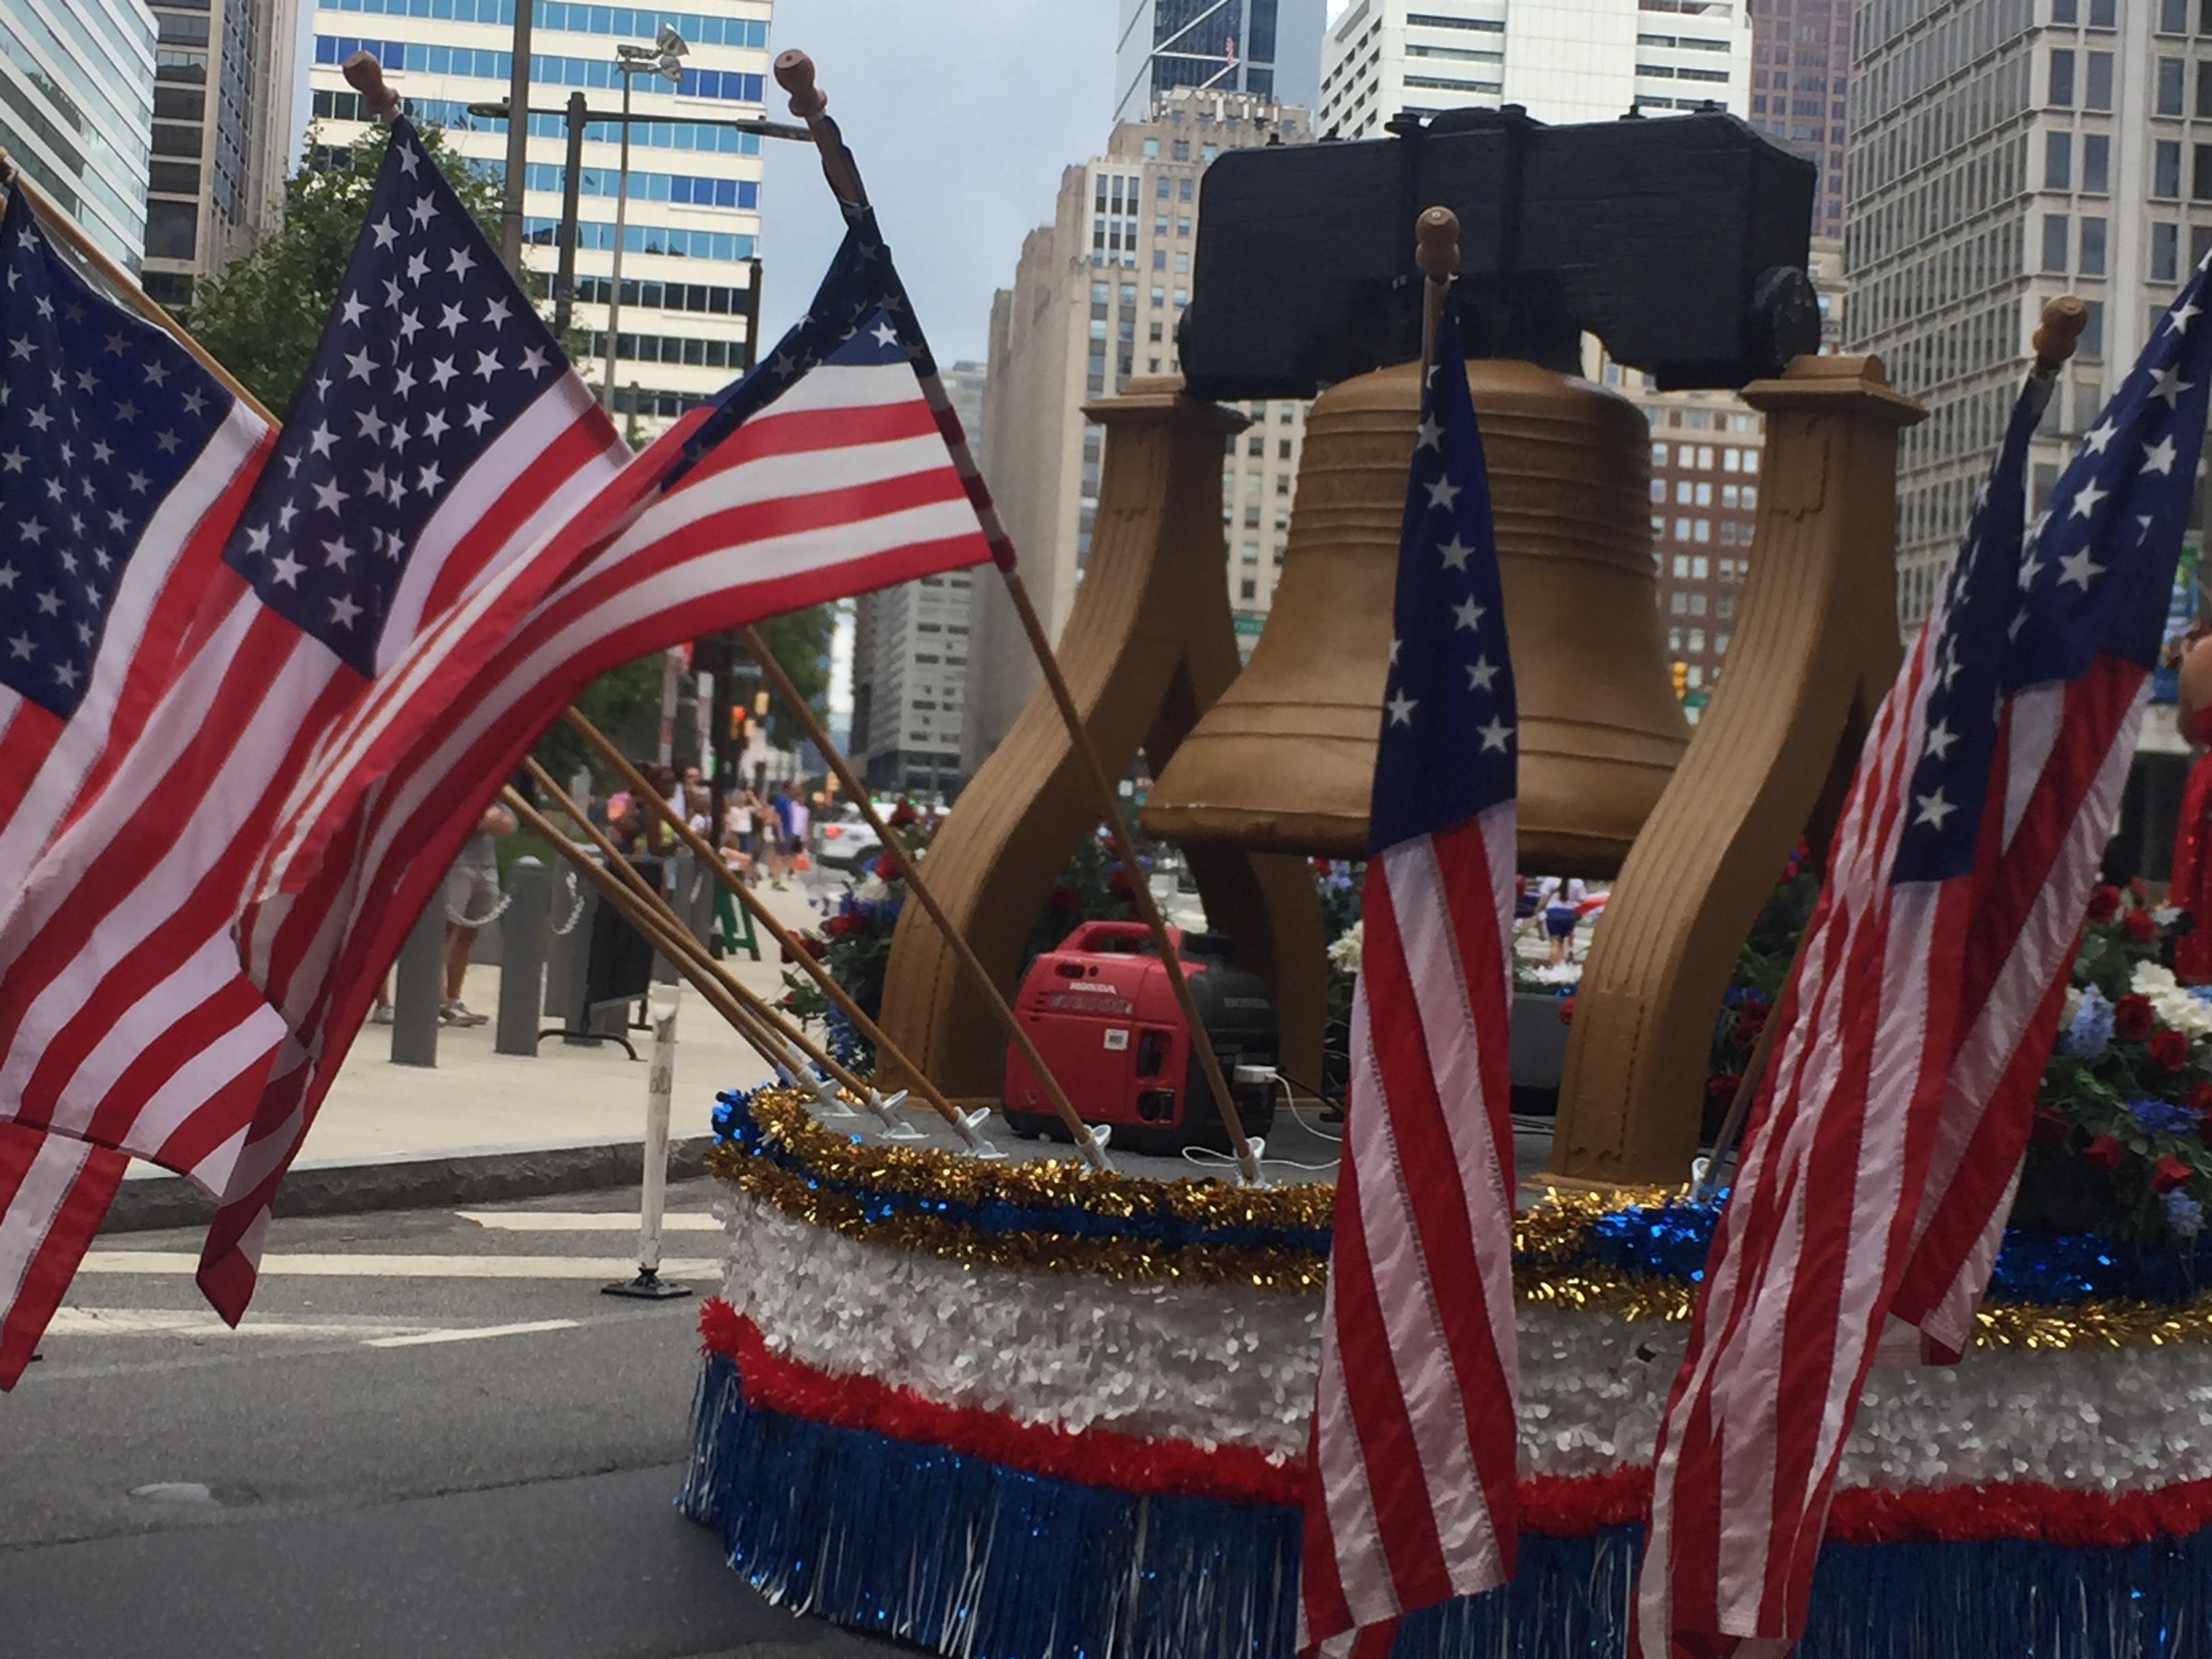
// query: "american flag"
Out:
[825,472]
[438,445]
[1888,1139]
[1411,1496]
[122,465]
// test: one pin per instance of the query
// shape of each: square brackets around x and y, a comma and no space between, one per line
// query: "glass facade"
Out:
[1801,74]
[76,107]
[1268,47]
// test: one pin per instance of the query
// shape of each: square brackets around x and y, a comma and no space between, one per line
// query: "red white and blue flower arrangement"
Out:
[1018,1411]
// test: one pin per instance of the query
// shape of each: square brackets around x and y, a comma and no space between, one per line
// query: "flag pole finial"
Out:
[794,73]
[365,74]
[1436,251]
[2063,319]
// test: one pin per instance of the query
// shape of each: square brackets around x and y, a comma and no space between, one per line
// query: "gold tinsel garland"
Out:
[1547,1239]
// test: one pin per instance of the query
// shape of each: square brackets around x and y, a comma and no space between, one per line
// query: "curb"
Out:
[408,1181]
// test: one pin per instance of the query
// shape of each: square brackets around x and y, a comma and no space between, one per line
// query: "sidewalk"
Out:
[481,1125]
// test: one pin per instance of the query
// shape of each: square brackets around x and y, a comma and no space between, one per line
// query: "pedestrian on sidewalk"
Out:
[781,844]
[471,900]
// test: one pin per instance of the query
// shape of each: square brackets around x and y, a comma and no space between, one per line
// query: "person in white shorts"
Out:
[471,900]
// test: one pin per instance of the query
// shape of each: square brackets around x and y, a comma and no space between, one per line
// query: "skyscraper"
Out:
[1586,62]
[1270,47]
[1801,75]
[223,136]
[694,215]
[76,108]
[1094,304]
[2003,152]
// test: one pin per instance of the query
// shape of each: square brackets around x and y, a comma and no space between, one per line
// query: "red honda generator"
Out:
[1103,1014]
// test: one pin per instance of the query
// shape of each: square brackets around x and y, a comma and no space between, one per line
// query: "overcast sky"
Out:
[962,114]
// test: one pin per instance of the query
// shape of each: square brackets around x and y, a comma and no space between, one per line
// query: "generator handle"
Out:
[1092,934]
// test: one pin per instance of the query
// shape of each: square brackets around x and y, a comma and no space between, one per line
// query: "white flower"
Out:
[873,887]
[1344,954]
[2150,978]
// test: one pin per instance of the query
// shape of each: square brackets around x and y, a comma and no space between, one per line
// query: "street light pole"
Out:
[564,279]
[622,218]
[518,141]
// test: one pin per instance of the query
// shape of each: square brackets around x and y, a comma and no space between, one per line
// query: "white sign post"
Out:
[653,1197]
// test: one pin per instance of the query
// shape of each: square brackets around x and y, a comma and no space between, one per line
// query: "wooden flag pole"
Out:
[965,1124]
[794,73]
[1092,1139]
[624,888]
[123,285]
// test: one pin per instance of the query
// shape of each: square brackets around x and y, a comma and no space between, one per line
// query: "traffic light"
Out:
[760,705]
[1682,672]
[736,724]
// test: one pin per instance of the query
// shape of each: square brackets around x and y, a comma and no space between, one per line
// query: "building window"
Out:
[2173,16]
[2093,329]
[2096,163]
[2064,11]
[2102,13]
[2099,94]
[1681,566]
[1181,149]
[1674,639]
[2166,165]
[2165,251]
[2054,240]
[2169,86]
[1704,533]
[2061,87]
[1151,149]
[2092,246]
[1248,588]
[1679,603]
[1658,491]
[2058,160]
[2200,179]
[1698,639]
[1698,568]
[1697,604]
[2204,89]
[1681,492]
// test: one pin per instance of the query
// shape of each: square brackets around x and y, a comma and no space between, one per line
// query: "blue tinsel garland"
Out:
[958,1555]
[735,1126]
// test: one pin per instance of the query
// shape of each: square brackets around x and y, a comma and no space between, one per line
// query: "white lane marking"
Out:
[581,1221]
[475,1334]
[400,1267]
[187,1322]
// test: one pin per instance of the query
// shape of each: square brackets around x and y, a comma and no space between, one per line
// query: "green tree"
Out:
[263,317]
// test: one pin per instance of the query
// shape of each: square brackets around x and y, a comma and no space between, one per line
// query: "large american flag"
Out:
[824,472]
[438,443]
[1410,1495]
[1887,1141]
[123,463]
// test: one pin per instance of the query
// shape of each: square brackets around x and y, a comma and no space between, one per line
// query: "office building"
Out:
[77,111]
[910,653]
[1095,301]
[223,138]
[1800,78]
[1271,48]
[694,215]
[2004,152]
[1591,60]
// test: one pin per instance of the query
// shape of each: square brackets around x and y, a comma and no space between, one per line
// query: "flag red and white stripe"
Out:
[841,485]
[54,1193]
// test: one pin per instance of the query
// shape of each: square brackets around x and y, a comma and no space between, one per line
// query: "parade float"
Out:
[1028,1409]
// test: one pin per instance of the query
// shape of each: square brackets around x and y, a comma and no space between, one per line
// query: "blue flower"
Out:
[2183,1214]
[2162,1117]
[2090,1032]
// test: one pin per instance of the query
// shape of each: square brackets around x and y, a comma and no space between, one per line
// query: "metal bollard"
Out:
[419,983]
[524,930]
[680,868]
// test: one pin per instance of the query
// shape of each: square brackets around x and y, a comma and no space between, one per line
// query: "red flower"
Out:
[1722,1087]
[1117,883]
[813,947]
[2200,1097]
[903,814]
[841,924]
[2104,903]
[2168,1173]
[1566,1011]
[2051,1126]
[2138,926]
[2169,1050]
[1750,1024]
[2131,1017]
[2104,1151]
[886,868]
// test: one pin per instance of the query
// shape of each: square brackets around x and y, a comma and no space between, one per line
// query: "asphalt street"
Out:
[432,1436]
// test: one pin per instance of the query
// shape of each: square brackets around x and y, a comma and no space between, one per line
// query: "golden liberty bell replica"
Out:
[1286,759]
[1680,244]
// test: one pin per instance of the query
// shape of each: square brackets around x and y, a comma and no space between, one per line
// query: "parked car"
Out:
[849,842]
